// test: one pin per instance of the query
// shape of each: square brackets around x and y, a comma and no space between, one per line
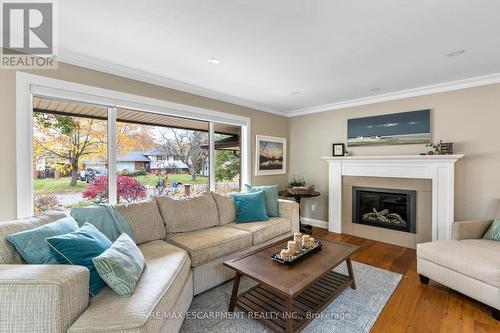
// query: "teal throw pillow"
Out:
[79,248]
[270,196]
[493,232]
[32,246]
[250,207]
[121,265]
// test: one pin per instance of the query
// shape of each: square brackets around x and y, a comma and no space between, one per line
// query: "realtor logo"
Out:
[28,34]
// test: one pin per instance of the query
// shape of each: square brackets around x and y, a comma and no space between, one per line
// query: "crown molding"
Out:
[425,90]
[80,60]
[77,59]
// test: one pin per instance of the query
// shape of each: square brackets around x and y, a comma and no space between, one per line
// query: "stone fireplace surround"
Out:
[440,169]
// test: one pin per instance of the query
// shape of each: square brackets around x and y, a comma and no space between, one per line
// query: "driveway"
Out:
[69,198]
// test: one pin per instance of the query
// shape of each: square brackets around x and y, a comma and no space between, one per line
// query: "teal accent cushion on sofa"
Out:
[493,232]
[32,246]
[79,248]
[121,265]
[270,196]
[250,207]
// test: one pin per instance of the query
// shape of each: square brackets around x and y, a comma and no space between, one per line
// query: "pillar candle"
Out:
[297,237]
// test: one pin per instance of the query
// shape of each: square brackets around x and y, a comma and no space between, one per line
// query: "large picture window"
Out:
[69,152]
[53,117]
[227,149]
[160,155]
[150,154]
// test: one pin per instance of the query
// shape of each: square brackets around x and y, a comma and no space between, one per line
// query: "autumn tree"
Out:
[133,137]
[186,146]
[65,139]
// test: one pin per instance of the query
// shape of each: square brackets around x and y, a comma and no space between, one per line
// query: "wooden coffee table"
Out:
[288,296]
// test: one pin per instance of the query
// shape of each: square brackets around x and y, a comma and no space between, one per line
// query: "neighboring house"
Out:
[150,161]
[161,160]
[133,161]
[45,166]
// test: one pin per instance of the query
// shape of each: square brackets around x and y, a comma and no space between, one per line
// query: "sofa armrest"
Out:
[290,210]
[42,298]
[469,229]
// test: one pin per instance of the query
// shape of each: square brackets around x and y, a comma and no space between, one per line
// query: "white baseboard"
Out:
[314,222]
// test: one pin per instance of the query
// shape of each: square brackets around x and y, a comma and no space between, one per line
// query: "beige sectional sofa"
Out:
[467,263]
[184,243]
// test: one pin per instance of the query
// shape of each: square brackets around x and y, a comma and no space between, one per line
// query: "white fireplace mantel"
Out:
[439,168]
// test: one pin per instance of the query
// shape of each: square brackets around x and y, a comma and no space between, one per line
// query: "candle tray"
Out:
[292,259]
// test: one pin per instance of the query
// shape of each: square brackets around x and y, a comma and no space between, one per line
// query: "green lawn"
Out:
[61,185]
[182,178]
[57,186]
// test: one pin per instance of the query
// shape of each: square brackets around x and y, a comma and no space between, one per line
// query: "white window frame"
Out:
[30,85]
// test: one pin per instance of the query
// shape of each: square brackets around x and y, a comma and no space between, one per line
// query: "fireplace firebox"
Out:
[384,208]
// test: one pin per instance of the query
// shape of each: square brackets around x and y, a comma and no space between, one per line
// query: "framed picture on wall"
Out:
[338,149]
[270,155]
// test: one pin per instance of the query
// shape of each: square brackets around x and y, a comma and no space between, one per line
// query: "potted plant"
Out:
[297,185]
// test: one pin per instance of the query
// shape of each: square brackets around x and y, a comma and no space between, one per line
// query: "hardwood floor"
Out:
[415,307]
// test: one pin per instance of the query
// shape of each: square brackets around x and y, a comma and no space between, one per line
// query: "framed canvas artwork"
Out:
[270,155]
[390,129]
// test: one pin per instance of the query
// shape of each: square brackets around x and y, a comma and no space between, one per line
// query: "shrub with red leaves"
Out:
[129,189]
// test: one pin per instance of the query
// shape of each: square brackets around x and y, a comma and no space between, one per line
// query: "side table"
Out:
[306,229]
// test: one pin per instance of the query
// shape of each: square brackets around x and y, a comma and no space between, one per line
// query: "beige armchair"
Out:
[467,263]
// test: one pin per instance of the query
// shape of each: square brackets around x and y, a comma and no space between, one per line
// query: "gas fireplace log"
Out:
[383,216]
[383,212]
[396,218]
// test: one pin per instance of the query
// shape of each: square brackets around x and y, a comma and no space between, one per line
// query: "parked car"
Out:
[90,174]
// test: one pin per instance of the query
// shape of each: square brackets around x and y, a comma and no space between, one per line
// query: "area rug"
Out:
[352,311]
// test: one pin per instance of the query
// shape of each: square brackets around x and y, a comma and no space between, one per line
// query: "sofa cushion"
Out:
[225,207]
[31,243]
[250,207]
[493,232]
[188,214]
[8,254]
[484,243]
[145,220]
[166,272]
[478,262]
[121,265]
[79,247]
[208,244]
[264,231]
[270,197]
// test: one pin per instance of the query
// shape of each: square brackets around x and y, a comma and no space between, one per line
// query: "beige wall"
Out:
[262,123]
[470,118]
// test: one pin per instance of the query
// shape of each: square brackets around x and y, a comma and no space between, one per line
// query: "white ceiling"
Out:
[331,51]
